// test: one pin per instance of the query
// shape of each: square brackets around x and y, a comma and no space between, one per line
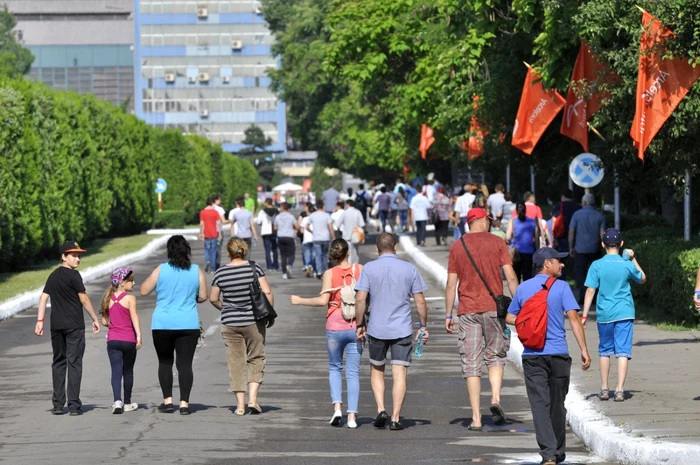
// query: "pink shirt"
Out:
[120,326]
[334,317]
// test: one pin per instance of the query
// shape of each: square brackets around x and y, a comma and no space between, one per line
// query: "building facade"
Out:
[201,67]
[80,45]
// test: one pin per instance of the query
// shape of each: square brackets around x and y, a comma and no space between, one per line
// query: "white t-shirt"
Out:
[430,190]
[308,236]
[222,213]
[420,205]
[351,219]
[337,218]
[464,204]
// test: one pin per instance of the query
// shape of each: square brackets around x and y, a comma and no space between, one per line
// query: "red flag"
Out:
[661,84]
[305,186]
[426,140]
[538,108]
[579,110]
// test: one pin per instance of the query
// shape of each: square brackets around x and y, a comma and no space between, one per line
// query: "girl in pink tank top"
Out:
[340,333]
[118,310]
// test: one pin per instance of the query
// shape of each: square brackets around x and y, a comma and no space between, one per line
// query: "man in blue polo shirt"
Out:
[391,283]
[547,371]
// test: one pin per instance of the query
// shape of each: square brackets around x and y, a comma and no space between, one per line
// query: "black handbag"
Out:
[502,301]
[262,308]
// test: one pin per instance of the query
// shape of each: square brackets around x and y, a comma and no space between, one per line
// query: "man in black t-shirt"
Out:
[67,292]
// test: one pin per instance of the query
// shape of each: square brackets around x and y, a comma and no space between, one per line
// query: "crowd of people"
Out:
[499,248]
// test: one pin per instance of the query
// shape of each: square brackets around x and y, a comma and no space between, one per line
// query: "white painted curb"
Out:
[170,232]
[30,299]
[598,432]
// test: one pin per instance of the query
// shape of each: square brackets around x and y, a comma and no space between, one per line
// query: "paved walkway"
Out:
[662,403]
[295,399]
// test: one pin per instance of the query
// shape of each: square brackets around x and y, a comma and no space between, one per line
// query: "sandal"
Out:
[239,411]
[475,428]
[255,409]
[604,394]
[619,396]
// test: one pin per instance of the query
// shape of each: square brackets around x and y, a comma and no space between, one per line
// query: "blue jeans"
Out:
[211,251]
[404,218]
[338,342]
[308,254]
[462,224]
[321,255]
[270,243]
[383,215]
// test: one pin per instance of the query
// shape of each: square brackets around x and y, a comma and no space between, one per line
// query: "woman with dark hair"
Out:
[442,205]
[243,336]
[520,234]
[179,286]
[340,332]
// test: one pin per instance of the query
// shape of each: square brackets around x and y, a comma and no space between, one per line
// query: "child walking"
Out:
[118,310]
[611,276]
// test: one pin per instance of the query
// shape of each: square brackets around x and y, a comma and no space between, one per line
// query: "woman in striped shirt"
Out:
[243,336]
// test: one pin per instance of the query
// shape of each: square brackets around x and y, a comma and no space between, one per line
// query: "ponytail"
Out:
[104,304]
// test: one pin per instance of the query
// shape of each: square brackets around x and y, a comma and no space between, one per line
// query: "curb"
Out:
[598,432]
[169,232]
[30,299]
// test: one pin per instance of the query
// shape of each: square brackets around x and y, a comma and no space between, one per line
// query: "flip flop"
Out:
[499,417]
[604,394]
[475,428]
[239,411]
[619,396]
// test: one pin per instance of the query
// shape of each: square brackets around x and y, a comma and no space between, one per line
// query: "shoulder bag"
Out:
[502,301]
[262,308]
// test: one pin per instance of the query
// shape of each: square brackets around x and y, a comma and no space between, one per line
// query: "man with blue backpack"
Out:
[537,311]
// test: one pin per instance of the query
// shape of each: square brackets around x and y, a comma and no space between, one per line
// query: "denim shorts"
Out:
[616,339]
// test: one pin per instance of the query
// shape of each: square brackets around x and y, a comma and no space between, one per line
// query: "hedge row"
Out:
[74,167]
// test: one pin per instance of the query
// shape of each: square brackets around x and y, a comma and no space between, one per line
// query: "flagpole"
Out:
[532,179]
[640,9]
[686,207]
[508,177]
[617,201]
[595,131]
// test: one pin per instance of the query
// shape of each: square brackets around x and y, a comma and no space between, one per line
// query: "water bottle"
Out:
[626,254]
[506,333]
[419,345]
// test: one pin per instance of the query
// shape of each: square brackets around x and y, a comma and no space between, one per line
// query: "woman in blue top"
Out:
[179,286]
[520,234]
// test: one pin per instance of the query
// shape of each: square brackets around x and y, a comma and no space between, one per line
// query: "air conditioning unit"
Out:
[203,77]
[202,12]
[204,113]
[170,77]
[236,45]
[192,79]
[225,79]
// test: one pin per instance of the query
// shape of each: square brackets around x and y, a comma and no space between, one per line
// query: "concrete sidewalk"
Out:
[660,418]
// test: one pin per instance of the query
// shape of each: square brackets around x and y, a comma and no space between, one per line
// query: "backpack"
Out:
[559,229]
[347,295]
[531,322]
[361,201]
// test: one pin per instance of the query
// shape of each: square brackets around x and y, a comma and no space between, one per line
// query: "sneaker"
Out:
[131,407]
[284,276]
[57,411]
[352,424]
[207,268]
[118,407]
[337,418]
[76,412]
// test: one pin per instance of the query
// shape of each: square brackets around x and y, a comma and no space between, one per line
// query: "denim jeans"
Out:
[211,250]
[271,256]
[321,255]
[462,225]
[308,253]
[420,232]
[383,216]
[338,342]
[403,214]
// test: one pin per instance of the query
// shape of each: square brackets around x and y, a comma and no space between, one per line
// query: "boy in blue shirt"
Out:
[611,276]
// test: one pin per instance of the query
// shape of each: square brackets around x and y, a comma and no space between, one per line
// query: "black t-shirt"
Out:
[63,286]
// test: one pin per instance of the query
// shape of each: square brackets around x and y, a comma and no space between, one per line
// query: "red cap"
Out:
[476,214]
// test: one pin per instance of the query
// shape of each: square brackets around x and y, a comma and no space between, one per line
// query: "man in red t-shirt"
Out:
[208,232]
[478,322]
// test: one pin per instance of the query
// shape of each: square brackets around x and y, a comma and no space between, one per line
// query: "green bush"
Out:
[170,219]
[75,167]
[671,265]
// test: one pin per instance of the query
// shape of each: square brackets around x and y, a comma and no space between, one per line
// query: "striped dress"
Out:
[234,283]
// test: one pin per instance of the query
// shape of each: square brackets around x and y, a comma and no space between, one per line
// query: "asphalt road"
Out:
[295,398]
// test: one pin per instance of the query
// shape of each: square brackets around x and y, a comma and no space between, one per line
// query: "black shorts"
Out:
[401,351]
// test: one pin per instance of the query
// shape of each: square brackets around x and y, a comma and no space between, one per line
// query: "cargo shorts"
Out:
[481,340]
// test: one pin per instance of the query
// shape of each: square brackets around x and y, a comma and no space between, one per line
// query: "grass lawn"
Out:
[98,251]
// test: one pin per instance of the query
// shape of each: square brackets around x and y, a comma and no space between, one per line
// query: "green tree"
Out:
[258,154]
[15,60]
